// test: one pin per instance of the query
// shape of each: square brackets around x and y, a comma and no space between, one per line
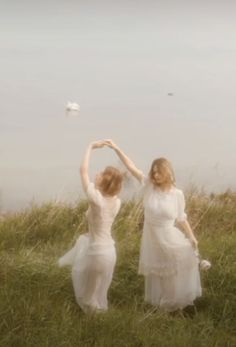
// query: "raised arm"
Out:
[84,168]
[126,161]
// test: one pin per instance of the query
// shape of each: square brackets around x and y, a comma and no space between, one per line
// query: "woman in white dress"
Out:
[167,258]
[93,257]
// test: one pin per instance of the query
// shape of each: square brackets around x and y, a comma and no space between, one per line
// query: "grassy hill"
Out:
[37,305]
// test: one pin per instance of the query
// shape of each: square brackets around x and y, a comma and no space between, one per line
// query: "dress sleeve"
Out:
[94,195]
[181,215]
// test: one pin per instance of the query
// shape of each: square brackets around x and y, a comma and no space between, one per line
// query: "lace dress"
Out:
[167,258]
[93,257]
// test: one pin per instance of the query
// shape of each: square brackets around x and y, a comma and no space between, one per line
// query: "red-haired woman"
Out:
[94,256]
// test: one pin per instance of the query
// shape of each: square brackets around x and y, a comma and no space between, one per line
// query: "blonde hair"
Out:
[111,181]
[162,174]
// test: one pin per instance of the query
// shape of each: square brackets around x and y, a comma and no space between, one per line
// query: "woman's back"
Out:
[101,214]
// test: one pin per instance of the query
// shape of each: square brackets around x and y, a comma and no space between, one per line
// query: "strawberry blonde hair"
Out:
[111,181]
[164,169]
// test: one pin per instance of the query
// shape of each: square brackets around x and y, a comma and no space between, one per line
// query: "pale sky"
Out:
[119,61]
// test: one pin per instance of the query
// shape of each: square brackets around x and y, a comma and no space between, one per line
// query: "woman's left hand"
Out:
[194,242]
[111,144]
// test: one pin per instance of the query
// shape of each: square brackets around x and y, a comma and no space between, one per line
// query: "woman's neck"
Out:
[164,187]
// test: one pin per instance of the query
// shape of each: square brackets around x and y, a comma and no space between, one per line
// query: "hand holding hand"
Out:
[110,144]
[97,144]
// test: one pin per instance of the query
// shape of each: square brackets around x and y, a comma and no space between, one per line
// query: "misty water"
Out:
[157,78]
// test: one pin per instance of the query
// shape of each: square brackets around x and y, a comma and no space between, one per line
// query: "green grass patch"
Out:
[37,305]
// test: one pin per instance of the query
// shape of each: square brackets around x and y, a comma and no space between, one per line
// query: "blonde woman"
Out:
[94,256]
[167,256]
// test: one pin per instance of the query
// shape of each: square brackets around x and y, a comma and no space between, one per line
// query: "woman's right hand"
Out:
[110,144]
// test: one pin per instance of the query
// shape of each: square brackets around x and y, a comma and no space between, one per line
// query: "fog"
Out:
[157,77]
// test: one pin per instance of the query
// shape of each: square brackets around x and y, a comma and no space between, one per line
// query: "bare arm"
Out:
[126,161]
[84,168]
[188,232]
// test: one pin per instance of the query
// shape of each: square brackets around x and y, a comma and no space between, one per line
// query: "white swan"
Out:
[72,106]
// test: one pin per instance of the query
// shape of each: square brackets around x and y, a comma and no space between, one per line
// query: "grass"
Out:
[37,305]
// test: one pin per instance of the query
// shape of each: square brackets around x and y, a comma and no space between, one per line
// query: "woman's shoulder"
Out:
[94,195]
[92,189]
[178,192]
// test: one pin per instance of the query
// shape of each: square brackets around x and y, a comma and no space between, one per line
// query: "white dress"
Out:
[93,257]
[167,258]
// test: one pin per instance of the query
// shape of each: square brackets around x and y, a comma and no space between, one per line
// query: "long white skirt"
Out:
[170,267]
[92,270]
